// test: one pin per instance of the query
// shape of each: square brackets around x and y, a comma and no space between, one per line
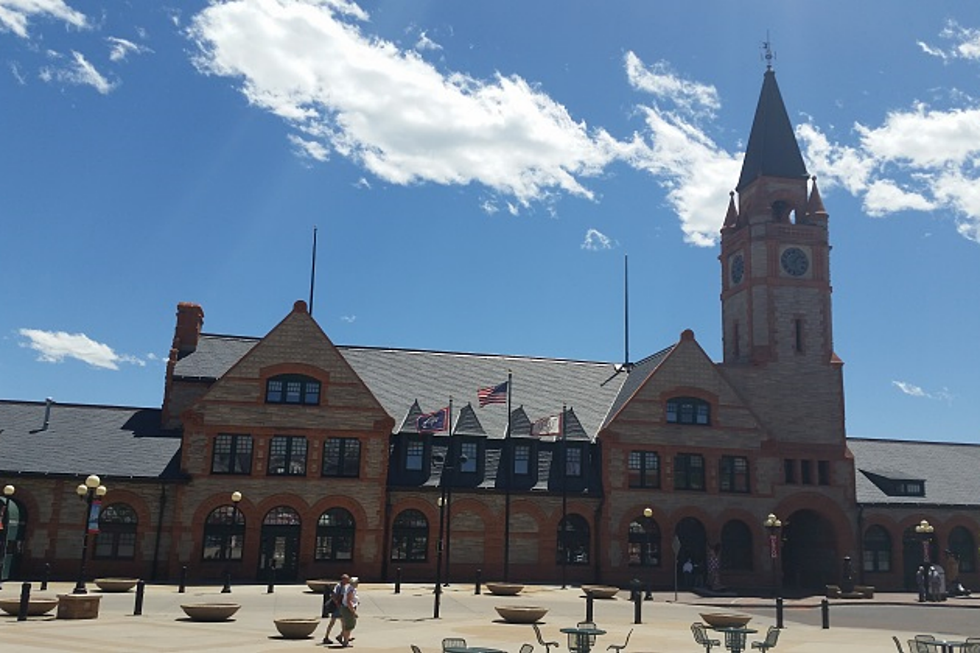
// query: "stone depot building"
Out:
[654,463]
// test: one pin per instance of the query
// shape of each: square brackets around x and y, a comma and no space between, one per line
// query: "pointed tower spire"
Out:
[731,218]
[814,205]
[772,150]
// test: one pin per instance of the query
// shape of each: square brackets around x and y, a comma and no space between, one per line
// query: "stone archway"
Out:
[809,551]
[694,546]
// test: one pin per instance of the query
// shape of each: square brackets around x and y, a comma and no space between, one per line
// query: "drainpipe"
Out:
[156,543]
[860,542]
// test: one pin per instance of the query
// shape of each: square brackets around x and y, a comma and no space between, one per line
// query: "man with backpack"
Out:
[336,600]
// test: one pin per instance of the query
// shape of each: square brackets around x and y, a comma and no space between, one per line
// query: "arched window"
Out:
[573,540]
[117,533]
[334,535]
[292,389]
[736,546]
[224,534]
[688,410]
[644,542]
[877,550]
[410,536]
[281,516]
[961,543]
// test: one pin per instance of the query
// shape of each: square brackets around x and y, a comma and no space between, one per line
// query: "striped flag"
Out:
[550,425]
[433,422]
[496,394]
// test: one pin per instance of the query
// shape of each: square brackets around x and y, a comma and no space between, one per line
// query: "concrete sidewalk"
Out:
[391,622]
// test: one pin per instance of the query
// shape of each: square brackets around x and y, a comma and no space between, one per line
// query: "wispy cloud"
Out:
[349,319]
[659,80]
[596,240]
[77,71]
[16,14]
[425,43]
[913,390]
[119,48]
[56,346]
[965,43]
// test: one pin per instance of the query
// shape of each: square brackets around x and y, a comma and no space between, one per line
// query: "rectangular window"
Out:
[522,460]
[688,471]
[789,470]
[341,457]
[471,451]
[293,391]
[413,456]
[287,455]
[806,472]
[273,392]
[232,454]
[644,469]
[312,396]
[823,472]
[733,474]
[573,461]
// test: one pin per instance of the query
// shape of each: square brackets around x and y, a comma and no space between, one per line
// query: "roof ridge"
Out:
[68,404]
[440,352]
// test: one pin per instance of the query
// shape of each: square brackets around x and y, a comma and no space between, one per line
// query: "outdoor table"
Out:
[583,636]
[735,637]
[944,645]
[471,649]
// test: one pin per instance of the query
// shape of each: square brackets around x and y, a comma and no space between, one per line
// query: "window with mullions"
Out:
[688,471]
[644,469]
[522,459]
[736,546]
[116,539]
[410,536]
[414,453]
[287,455]
[733,474]
[877,550]
[573,461]
[292,389]
[644,542]
[341,457]
[232,454]
[335,535]
[224,534]
[962,545]
[471,451]
[688,410]
[573,541]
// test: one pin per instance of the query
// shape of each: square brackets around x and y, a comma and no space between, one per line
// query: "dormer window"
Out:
[688,410]
[897,484]
[292,389]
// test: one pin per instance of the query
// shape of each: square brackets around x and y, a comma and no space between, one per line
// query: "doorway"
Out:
[809,551]
[279,544]
[13,520]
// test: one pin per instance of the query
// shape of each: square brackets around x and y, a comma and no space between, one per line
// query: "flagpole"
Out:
[509,459]
[449,492]
[564,499]
[313,271]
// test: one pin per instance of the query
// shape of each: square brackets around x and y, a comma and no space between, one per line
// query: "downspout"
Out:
[156,543]
[860,542]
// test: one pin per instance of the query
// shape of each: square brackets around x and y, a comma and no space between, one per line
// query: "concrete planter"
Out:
[36,607]
[521,614]
[116,584]
[725,619]
[504,589]
[319,586]
[601,591]
[78,606]
[297,627]
[210,611]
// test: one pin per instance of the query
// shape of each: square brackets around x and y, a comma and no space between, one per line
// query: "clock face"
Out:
[794,261]
[737,269]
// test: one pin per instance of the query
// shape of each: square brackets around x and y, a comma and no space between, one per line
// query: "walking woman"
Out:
[348,612]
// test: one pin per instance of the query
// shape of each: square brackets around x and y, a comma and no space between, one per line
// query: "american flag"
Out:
[496,394]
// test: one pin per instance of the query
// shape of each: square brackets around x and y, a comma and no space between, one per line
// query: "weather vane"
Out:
[769,54]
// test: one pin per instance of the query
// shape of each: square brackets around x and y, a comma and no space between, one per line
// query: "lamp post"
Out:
[925,530]
[443,503]
[91,492]
[236,497]
[774,527]
[648,513]
[8,491]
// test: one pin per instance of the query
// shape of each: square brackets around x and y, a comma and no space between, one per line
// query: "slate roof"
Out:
[215,354]
[772,150]
[951,470]
[111,441]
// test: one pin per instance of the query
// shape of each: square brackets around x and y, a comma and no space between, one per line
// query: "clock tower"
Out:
[775,264]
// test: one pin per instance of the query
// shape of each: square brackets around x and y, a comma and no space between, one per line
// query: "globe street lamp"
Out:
[648,513]
[91,492]
[236,498]
[774,527]
[8,491]
[924,530]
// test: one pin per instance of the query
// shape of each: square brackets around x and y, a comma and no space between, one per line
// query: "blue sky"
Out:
[477,172]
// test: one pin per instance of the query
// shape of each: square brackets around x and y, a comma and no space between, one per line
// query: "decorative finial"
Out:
[767,49]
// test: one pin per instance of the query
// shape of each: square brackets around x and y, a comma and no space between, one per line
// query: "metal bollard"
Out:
[479,578]
[398,580]
[638,608]
[183,580]
[140,589]
[227,588]
[779,612]
[825,613]
[271,587]
[47,575]
[25,600]
[589,599]
[325,608]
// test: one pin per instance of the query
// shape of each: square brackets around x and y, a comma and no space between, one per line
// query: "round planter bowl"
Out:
[210,611]
[320,585]
[601,591]
[504,589]
[521,614]
[297,628]
[36,607]
[725,619]
[116,584]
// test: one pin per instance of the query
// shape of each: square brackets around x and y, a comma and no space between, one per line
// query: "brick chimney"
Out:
[190,319]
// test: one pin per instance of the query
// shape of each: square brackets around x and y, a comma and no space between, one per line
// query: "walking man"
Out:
[348,613]
[336,598]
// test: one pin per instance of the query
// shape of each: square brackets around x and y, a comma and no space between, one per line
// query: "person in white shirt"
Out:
[348,612]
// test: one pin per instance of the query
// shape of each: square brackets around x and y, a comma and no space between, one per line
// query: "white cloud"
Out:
[425,43]
[307,148]
[596,240]
[15,14]
[915,391]
[79,72]
[884,197]
[965,43]
[362,183]
[398,116]
[119,48]
[56,346]
[349,319]
[659,80]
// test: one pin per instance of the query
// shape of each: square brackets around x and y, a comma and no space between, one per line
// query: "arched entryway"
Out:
[280,544]
[13,518]
[810,559]
[913,554]
[694,546]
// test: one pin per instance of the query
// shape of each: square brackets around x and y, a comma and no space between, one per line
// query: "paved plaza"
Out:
[391,622]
